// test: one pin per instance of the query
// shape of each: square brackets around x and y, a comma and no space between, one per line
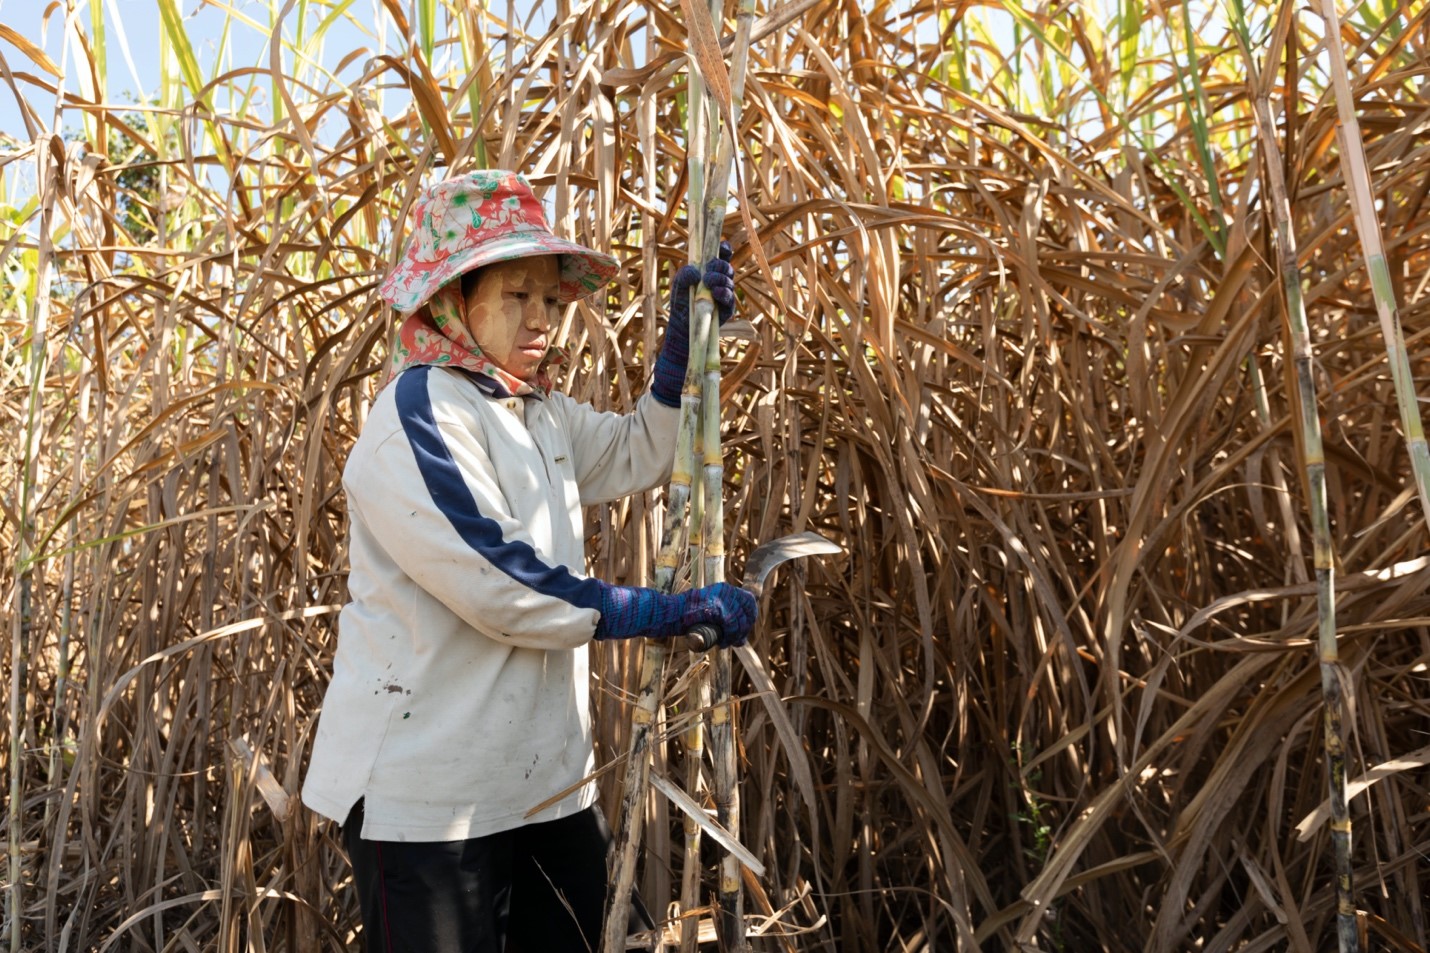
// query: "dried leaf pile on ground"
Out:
[1022,348]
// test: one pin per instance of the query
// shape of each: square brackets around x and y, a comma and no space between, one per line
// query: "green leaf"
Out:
[173,27]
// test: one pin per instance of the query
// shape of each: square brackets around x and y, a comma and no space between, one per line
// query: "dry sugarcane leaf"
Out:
[1316,820]
[926,221]
[36,55]
[695,812]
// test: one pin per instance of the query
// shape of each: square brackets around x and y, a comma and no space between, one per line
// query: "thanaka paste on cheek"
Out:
[506,313]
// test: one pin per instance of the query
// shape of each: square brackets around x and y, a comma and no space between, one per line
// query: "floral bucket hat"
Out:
[480,219]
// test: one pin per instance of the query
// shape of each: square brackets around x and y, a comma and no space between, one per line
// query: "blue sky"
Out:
[132,37]
[138,23]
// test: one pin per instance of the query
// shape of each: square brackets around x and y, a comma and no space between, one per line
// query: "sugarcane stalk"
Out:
[707,200]
[730,919]
[39,318]
[690,865]
[698,137]
[1355,172]
[636,782]
[674,542]
[723,733]
[1284,245]
[694,734]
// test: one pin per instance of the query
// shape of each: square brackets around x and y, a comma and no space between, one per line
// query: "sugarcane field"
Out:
[884,476]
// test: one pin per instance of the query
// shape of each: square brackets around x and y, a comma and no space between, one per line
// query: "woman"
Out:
[459,697]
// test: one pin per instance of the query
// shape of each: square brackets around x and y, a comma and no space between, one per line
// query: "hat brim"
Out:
[584,271]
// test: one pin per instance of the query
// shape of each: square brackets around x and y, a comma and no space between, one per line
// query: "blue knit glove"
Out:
[719,277]
[631,611]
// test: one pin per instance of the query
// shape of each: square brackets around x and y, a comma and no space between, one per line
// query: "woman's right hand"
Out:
[629,612]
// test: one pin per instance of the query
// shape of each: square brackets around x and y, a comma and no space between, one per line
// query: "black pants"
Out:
[543,886]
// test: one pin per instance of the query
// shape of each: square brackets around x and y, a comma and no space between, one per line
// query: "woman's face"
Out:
[511,308]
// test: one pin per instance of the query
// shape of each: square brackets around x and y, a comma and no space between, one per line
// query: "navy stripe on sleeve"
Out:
[449,491]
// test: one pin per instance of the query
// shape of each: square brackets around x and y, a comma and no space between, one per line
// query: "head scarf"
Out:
[437,335]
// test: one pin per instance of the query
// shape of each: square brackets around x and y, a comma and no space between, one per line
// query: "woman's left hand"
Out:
[719,277]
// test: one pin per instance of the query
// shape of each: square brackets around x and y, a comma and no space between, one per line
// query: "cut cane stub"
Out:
[668,935]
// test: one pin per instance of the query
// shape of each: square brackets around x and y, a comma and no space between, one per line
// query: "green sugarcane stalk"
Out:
[1284,241]
[690,862]
[706,218]
[1356,173]
[674,542]
[694,734]
[636,782]
[25,561]
[723,730]
[698,135]
[707,537]
[720,673]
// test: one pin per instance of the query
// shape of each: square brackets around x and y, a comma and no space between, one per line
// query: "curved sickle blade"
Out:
[767,556]
[763,560]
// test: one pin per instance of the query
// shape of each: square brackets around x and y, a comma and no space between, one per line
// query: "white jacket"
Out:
[460,689]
